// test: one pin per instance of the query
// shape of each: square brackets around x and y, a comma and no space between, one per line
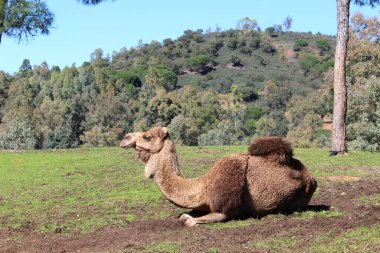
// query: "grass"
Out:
[74,191]
[233,224]
[360,239]
[212,250]
[82,190]
[373,200]
[272,244]
[167,247]
[356,163]
[333,213]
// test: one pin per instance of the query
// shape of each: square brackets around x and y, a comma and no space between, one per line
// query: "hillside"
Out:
[209,88]
[218,60]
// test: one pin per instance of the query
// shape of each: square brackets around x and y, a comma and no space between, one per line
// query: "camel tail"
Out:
[270,146]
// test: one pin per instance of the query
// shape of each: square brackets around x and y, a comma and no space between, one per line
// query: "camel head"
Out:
[150,141]
[146,144]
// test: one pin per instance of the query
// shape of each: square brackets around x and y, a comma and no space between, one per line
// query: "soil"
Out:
[137,236]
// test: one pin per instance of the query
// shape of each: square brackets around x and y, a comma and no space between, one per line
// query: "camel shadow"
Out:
[316,208]
[312,208]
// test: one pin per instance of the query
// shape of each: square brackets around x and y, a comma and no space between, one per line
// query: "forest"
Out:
[208,87]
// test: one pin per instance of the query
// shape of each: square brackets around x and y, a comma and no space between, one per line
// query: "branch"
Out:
[91,2]
[371,3]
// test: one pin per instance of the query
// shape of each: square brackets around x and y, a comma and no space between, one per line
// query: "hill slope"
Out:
[209,88]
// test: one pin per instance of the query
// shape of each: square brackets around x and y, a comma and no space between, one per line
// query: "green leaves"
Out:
[25,19]
[90,2]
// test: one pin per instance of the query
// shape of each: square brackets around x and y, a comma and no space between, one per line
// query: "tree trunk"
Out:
[340,89]
[3,10]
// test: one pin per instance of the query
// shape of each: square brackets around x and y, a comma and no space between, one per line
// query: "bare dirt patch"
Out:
[296,230]
[340,178]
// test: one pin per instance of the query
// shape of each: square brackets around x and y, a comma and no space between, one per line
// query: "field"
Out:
[97,200]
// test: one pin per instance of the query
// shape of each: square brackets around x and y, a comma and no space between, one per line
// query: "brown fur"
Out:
[226,183]
[270,145]
[265,180]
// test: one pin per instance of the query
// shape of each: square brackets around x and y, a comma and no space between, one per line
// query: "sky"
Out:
[79,30]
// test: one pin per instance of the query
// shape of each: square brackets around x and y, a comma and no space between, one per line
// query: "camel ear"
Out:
[162,132]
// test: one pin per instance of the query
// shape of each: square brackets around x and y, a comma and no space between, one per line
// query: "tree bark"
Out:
[339,144]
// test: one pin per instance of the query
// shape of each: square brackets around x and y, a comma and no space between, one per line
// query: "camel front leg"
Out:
[208,218]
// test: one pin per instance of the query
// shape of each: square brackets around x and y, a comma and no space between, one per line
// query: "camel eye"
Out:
[147,138]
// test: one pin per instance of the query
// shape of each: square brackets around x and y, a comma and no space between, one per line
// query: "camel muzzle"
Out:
[128,142]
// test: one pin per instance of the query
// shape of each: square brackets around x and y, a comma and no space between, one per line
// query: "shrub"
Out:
[268,48]
[61,137]
[249,126]
[271,125]
[323,45]
[270,30]
[224,134]
[132,76]
[246,51]
[235,60]
[198,62]
[248,94]
[18,134]
[299,44]
[254,112]
[255,43]
[232,43]
[308,63]
[183,131]
[96,137]
[323,141]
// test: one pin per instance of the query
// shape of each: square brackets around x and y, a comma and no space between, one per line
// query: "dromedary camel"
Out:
[266,179]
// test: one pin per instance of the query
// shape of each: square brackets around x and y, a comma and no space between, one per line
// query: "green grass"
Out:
[373,200]
[212,250]
[333,213]
[272,244]
[75,191]
[167,247]
[82,190]
[233,224]
[356,163]
[361,239]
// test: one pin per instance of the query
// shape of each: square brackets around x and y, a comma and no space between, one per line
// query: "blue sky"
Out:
[112,25]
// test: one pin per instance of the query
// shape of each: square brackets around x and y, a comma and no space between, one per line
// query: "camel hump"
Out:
[270,145]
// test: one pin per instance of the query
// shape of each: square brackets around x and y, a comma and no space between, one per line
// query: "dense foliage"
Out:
[208,88]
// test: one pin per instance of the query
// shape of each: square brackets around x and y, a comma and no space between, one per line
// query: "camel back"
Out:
[270,146]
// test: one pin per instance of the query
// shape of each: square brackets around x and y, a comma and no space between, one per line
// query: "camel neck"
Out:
[187,193]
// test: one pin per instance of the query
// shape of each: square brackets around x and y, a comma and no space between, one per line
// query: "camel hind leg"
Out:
[208,218]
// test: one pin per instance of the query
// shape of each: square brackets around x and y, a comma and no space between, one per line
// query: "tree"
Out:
[90,2]
[323,45]
[25,19]
[363,70]
[183,131]
[270,30]
[299,44]
[17,129]
[287,24]
[198,62]
[248,25]
[338,143]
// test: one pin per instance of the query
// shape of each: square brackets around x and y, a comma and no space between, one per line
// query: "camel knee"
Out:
[208,218]
[184,217]
[191,222]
